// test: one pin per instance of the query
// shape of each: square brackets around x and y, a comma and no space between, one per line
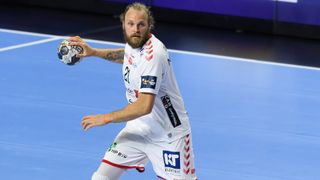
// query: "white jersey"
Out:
[148,70]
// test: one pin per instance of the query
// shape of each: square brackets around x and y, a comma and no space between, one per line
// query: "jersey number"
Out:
[126,74]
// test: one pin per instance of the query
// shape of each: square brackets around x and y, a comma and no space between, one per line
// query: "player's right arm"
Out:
[113,55]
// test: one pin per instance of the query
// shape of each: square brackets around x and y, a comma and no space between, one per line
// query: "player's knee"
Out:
[97,176]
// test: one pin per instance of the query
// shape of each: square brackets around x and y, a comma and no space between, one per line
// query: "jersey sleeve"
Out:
[152,71]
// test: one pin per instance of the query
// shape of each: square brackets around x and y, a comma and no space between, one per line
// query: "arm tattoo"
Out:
[115,56]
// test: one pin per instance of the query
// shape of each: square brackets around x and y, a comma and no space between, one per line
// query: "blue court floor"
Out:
[250,120]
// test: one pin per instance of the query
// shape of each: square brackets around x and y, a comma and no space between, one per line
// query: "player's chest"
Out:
[132,68]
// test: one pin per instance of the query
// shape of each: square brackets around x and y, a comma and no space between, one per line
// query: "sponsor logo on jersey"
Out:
[172,114]
[132,95]
[148,82]
[130,60]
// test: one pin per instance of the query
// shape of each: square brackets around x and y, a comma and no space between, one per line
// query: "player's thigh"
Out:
[107,172]
[127,151]
[173,160]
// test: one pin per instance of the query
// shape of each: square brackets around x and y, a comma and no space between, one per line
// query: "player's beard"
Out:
[136,40]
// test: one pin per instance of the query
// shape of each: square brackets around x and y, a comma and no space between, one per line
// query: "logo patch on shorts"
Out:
[148,82]
[112,149]
[171,162]
[171,159]
[113,145]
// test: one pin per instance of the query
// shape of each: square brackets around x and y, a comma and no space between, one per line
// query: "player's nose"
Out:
[136,29]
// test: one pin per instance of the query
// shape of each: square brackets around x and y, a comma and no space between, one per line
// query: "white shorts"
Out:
[170,161]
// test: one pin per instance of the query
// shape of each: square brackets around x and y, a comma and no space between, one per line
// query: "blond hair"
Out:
[139,7]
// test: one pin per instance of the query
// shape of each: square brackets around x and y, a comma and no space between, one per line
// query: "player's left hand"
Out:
[93,120]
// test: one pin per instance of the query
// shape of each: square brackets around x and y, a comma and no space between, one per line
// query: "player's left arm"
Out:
[142,106]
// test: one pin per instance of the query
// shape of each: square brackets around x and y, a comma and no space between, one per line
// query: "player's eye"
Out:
[141,25]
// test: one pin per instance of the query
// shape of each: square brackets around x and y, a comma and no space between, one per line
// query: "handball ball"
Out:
[67,53]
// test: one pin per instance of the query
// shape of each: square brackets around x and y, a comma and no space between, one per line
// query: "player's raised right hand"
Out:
[78,41]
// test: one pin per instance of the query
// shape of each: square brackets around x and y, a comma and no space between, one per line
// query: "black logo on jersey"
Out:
[148,82]
[173,116]
[126,74]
